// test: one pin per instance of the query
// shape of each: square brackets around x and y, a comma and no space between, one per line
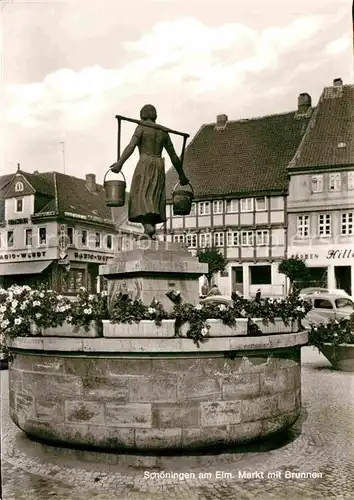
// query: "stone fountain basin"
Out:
[155,393]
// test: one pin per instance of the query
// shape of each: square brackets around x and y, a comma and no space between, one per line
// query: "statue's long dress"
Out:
[147,200]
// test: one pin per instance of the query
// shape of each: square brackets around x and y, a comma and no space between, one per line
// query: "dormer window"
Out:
[19,187]
[19,205]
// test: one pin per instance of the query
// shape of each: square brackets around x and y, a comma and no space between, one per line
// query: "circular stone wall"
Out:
[155,393]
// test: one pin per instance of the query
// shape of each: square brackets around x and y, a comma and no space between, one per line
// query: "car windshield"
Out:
[344,304]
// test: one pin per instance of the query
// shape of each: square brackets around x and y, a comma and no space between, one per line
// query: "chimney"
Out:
[221,122]
[337,82]
[303,103]
[91,182]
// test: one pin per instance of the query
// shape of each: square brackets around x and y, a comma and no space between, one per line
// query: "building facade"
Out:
[56,230]
[238,173]
[321,192]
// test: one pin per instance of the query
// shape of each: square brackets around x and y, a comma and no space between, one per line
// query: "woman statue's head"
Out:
[148,112]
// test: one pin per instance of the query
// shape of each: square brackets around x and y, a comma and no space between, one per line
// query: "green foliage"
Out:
[335,332]
[130,311]
[215,260]
[295,269]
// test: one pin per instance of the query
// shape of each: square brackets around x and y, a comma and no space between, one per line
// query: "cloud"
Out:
[338,45]
[181,52]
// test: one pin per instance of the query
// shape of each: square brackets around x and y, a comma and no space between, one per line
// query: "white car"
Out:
[310,291]
[326,306]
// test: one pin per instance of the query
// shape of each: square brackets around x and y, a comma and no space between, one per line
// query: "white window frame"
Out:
[262,237]
[231,206]
[204,208]
[19,187]
[263,198]
[7,238]
[16,207]
[218,206]
[219,239]
[350,179]
[39,238]
[192,240]
[98,239]
[324,225]
[72,242]
[247,238]
[318,180]
[233,238]
[193,209]
[30,231]
[205,240]
[178,238]
[347,224]
[303,226]
[335,181]
[247,205]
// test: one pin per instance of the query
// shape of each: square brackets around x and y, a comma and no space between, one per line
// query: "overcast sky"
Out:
[69,66]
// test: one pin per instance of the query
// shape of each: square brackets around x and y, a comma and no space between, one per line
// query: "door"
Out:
[237,279]
[343,278]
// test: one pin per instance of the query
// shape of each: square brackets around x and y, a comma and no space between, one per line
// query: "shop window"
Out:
[10,238]
[73,280]
[84,238]
[261,275]
[28,237]
[42,235]
[70,235]
[19,205]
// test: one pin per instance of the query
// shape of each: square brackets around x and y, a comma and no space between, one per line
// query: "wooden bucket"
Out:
[115,191]
[182,200]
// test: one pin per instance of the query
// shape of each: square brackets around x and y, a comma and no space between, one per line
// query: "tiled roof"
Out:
[329,139]
[248,156]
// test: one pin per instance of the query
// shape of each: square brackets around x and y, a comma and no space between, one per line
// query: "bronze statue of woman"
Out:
[147,199]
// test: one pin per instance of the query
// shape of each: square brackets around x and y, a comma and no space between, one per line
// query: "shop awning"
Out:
[12,268]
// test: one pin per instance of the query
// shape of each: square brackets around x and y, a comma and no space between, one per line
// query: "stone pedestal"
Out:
[150,269]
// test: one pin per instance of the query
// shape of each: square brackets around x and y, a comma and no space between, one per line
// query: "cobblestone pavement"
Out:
[322,443]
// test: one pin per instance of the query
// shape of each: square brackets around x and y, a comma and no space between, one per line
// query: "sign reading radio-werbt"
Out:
[20,256]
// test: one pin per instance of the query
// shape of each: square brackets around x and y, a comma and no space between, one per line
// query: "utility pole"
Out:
[63,151]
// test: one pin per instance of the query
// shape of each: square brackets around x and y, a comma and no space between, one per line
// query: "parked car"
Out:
[338,291]
[326,306]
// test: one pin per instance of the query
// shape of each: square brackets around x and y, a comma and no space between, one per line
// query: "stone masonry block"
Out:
[259,408]
[198,388]
[52,411]
[25,406]
[241,386]
[175,415]
[62,344]
[106,389]
[220,413]
[85,412]
[157,438]
[134,365]
[52,364]
[177,364]
[136,415]
[143,329]
[86,367]
[244,432]
[15,380]
[276,424]
[153,389]
[277,381]
[51,387]
[286,401]
[110,437]
[200,437]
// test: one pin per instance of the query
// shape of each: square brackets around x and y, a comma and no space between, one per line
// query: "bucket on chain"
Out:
[115,191]
[182,199]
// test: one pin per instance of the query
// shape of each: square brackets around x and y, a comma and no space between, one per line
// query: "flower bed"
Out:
[335,339]
[24,311]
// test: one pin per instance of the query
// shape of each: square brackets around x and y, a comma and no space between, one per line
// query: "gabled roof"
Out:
[329,140]
[247,156]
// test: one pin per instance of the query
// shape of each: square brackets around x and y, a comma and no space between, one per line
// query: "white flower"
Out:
[38,315]
[60,297]
[198,307]
[82,289]
[41,295]
[204,331]
[14,304]
[222,307]
[88,311]
[151,310]
[5,323]
[36,303]
[243,313]
[23,306]
[335,334]
[91,297]
[18,321]
[69,318]
[104,293]
[2,309]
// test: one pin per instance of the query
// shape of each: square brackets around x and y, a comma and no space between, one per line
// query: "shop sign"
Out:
[340,254]
[20,256]
[13,222]
[305,256]
[90,257]
[333,254]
